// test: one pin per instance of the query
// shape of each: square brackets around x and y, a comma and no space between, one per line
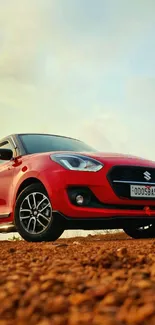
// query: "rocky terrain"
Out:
[98,280]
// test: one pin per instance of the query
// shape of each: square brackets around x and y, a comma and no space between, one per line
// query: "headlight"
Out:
[77,162]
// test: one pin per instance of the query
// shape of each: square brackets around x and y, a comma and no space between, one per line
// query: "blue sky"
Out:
[80,68]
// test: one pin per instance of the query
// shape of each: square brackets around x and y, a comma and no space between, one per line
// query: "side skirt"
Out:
[8,226]
[4,215]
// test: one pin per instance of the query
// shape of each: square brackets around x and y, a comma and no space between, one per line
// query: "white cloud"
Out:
[106,132]
[55,62]
[21,30]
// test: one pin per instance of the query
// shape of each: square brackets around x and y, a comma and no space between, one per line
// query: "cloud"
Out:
[69,67]
[106,132]
[141,93]
[21,33]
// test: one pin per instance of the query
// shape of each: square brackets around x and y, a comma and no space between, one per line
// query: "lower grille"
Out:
[121,177]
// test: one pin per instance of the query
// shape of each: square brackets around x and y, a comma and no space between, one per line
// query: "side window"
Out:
[5,145]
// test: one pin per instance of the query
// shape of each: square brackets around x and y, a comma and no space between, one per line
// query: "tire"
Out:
[140,232]
[33,204]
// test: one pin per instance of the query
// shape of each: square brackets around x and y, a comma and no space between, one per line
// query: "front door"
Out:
[6,183]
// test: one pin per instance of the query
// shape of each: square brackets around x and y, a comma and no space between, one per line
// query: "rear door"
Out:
[6,181]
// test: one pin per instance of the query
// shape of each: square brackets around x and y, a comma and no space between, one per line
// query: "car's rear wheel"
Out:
[147,231]
[33,215]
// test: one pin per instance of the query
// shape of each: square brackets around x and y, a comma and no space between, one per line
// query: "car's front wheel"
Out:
[147,231]
[33,215]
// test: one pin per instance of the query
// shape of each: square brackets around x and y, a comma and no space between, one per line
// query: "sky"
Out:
[81,68]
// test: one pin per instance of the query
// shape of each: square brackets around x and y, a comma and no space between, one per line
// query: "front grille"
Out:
[120,178]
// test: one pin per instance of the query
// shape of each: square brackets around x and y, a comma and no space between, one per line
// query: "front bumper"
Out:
[58,182]
[102,223]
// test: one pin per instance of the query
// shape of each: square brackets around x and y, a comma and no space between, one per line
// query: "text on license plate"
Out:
[142,191]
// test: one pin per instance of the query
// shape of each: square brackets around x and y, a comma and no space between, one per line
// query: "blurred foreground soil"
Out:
[99,280]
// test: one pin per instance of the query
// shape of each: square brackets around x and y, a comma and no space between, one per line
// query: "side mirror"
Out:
[6,154]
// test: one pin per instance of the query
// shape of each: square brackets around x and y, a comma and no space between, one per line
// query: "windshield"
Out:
[38,143]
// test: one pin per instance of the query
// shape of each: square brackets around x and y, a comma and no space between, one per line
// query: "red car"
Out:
[50,183]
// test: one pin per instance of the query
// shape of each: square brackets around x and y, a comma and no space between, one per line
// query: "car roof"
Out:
[33,133]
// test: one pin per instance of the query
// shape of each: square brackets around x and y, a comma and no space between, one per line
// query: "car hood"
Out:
[113,158]
[117,158]
[123,159]
[107,158]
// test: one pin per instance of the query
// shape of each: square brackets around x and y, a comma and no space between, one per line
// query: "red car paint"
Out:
[56,180]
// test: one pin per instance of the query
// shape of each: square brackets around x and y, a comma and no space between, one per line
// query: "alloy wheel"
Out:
[35,213]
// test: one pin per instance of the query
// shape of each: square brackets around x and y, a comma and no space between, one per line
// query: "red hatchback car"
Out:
[50,183]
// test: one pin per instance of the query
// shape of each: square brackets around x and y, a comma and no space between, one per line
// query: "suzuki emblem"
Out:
[147,176]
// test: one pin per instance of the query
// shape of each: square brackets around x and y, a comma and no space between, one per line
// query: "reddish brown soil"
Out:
[100,280]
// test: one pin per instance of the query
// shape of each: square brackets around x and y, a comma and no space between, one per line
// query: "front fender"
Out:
[20,181]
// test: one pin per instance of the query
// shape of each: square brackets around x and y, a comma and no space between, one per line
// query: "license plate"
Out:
[142,191]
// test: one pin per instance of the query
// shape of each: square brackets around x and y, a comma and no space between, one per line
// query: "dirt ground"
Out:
[100,280]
